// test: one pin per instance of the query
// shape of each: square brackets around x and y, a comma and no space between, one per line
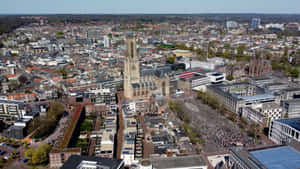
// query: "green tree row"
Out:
[39,156]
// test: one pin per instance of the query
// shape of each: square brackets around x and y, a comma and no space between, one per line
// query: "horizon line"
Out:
[149,13]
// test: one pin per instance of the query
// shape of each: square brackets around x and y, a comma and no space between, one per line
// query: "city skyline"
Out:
[148,7]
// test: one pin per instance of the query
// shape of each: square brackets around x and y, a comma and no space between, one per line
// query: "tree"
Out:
[227,45]
[40,155]
[268,55]
[86,126]
[294,73]
[171,59]
[14,154]
[286,115]
[284,60]
[226,54]
[29,153]
[110,35]
[59,34]
[64,73]
[46,126]
[255,129]
[240,51]
[229,77]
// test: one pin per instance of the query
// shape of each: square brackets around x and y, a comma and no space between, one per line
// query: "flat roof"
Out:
[178,162]
[265,96]
[75,160]
[278,158]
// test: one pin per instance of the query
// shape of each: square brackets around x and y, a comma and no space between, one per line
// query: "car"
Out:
[6,157]
[25,160]
[2,152]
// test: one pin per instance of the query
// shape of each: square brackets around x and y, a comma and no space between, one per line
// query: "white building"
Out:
[285,130]
[10,109]
[107,42]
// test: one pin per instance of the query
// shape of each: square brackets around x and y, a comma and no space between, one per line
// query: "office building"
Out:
[235,96]
[263,113]
[276,157]
[291,107]
[107,42]
[285,130]
[11,111]
[255,24]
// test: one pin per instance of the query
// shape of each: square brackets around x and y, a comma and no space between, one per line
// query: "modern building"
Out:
[107,42]
[276,157]
[285,130]
[89,162]
[197,81]
[255,24]
[291,107]
[216,77]
[11,111]
[235,96]
[252,115]
[17,132]
[263,113]
[142,84]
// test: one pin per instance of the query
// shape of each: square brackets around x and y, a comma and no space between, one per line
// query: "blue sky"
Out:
[149,6]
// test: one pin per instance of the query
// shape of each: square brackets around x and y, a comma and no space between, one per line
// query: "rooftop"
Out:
[75,160]
[178,162]
[293,122]
[284,157]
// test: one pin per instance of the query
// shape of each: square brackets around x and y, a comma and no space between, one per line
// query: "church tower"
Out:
[131,66]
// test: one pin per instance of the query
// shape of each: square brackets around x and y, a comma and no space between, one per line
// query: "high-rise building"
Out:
[255,23]
[107,42]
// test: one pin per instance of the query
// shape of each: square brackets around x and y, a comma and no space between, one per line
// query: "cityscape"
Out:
[139,90]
